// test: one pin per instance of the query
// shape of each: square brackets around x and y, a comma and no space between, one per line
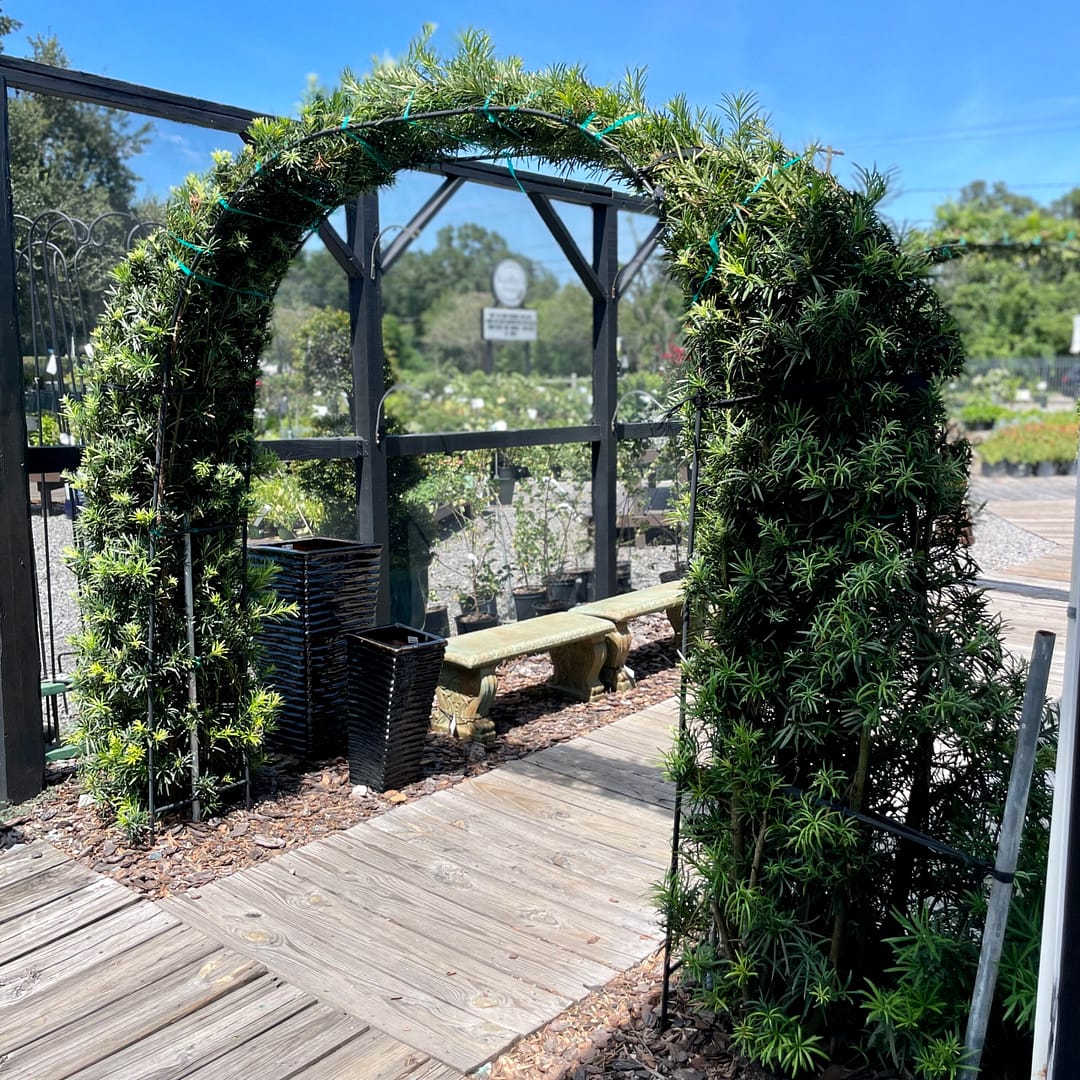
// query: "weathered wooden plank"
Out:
[597,930]
[293,1047]
[27,861]
[408,962]
[65,915]
[100,1034]
[337,969]
[526,804]
[621,823]
[649,747]
[34,1009]
[42,967]
[433,961]
[595,765]
[397,892]
[568,860]
[175,1050]
[375,1056]
[23,894]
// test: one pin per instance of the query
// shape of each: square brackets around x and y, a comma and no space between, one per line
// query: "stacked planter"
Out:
[393,671]
[335,585]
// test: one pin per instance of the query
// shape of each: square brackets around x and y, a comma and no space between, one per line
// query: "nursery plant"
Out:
[845,662]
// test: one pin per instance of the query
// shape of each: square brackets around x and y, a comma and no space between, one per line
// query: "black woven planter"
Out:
[393,672]
[335,585]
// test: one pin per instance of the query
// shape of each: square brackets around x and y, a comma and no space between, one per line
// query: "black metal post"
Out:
[22,741]
[605,390]
[369,384]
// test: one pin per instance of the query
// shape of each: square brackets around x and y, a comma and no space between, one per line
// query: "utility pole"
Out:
[830,152]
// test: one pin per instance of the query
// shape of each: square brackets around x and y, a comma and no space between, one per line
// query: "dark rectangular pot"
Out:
[393,672]
[335,586]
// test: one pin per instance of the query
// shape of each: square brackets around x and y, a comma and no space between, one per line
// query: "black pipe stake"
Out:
[676,820]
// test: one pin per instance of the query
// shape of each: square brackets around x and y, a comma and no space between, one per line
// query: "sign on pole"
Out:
[508,324]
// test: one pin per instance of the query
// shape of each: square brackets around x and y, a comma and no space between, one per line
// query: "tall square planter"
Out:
[335,586]
[393,672]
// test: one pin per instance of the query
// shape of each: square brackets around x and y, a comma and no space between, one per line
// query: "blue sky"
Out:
[940,93]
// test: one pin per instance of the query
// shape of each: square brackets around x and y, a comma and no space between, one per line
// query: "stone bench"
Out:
[666,597]
[468,684]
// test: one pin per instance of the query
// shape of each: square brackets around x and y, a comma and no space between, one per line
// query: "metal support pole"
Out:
[193,686]
[605,390]
[369,384]
[676,820]
[1012,825]
[22,742]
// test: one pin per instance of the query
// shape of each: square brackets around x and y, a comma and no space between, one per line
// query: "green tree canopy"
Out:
[1015,286]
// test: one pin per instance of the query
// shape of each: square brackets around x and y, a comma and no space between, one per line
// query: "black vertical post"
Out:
[22,742]
[369,385]
[605,388]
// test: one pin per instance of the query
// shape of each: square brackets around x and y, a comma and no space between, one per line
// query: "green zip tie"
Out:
[187,244]
[714,239]
[220,284]
[513,171]
[525,100]
[618,123]
[408,105]
[493,119]
[367,147]
[260,217]
[584,125]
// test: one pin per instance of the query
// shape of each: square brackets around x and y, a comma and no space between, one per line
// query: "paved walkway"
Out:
[415,946]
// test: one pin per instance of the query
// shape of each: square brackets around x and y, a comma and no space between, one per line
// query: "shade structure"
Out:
[393,672]
[335,585]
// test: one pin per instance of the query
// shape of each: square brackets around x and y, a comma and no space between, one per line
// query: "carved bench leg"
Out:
[615,675]
[674,615]
[464,697]
[577,668]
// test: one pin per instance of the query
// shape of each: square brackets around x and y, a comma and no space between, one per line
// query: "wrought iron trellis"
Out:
[57,258]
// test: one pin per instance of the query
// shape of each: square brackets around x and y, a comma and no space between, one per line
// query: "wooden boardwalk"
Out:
[1033,595]
[465,920]
[97,982]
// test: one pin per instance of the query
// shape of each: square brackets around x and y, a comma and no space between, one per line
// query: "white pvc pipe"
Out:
[1050,957]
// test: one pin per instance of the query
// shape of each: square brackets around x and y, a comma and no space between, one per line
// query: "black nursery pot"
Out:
[393,672]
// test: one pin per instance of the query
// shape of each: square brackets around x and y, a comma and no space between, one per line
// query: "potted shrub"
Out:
[546,538]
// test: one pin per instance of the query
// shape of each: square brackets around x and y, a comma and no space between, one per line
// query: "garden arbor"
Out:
[847,640]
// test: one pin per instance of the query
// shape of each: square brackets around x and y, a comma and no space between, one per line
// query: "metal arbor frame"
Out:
[359,254]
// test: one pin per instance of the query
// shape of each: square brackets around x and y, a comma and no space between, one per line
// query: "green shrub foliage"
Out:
[845,651]
[845,658]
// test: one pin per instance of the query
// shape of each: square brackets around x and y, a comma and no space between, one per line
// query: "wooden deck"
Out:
[461,922]
[1033,595]
[97,982]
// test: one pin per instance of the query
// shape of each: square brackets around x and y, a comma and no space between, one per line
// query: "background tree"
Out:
[1015,296]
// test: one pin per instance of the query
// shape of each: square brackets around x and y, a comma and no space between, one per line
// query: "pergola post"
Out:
[22,741]
[369,385]
[605,388]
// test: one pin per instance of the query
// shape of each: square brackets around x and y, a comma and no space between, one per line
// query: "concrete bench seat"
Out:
[619,610]
[468,684]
